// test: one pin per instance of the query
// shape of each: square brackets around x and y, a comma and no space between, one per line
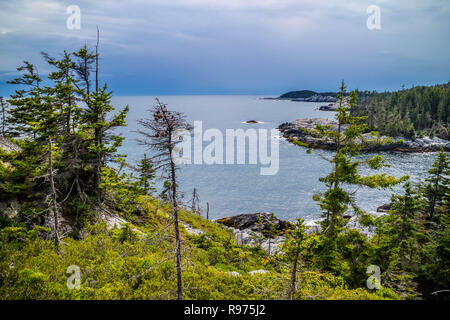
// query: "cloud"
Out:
[228,44]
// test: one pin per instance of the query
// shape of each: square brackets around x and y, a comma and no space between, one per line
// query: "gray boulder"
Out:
[250,221]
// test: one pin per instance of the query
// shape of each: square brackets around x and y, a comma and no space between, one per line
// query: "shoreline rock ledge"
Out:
[303,131]
[250,221]
[247,229]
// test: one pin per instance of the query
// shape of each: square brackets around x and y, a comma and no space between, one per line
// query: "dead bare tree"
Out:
[96,60]
[3,106]
[54,202]
[207,211]
[158,135]
[195,204]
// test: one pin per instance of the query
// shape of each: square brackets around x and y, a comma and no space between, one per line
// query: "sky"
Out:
[261,47]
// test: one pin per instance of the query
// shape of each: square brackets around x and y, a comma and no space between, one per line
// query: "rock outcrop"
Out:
[191,230]
[329,107]
[256,238]
[9,209]
[384,208]
[248,230]
[250,221]
[8,146]
[353,223]
[316,98]
[303,130]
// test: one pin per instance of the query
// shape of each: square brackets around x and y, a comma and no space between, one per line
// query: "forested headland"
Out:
[410,113]
[415,112]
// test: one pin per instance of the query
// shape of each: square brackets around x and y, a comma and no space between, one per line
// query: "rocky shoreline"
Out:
[249,227]
[329,107]
[303,131]
[314,98]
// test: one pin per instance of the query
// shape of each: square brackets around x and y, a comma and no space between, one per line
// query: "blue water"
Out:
[234,189]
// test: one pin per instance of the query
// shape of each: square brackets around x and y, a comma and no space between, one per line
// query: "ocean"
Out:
[232,189]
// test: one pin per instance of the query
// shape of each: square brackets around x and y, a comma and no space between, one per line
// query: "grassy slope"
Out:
[127,264]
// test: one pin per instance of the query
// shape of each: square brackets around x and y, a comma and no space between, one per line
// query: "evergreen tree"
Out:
[75,118]
[337,199]
[399,236]
[435,264]
[104,144]
[437,190]
[146,175]
[294,247]
[347,137]
[25,101]
[64,90]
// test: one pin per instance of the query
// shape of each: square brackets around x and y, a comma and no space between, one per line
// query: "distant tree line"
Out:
[414,112]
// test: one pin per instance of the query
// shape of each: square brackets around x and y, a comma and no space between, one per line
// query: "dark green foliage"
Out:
[146,175]
[398,238]
[437,188]
[302,94]
[435,264]
[408,112]
[436,257]
[337,200]
[74,118]
[344,252]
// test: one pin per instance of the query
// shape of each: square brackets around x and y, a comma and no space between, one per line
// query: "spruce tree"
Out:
[338,199]
[294,247]
[25,101]
[146,175]
[348,138]
[437,190]
[399,237]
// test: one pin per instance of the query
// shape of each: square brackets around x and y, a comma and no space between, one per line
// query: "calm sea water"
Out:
[235,189]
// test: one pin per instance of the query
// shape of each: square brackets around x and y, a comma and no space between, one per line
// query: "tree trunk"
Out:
[98,164]
[96,61]
[177,230]
[293,277]
[3,116]
[434,197]
[53,192]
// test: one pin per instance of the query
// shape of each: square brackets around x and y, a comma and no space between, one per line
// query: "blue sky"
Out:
[236,46]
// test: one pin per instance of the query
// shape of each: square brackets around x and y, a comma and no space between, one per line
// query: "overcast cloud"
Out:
[236,46]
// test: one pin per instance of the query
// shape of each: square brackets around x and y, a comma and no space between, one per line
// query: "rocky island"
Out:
[307,96]
[329,107]
[303,132]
